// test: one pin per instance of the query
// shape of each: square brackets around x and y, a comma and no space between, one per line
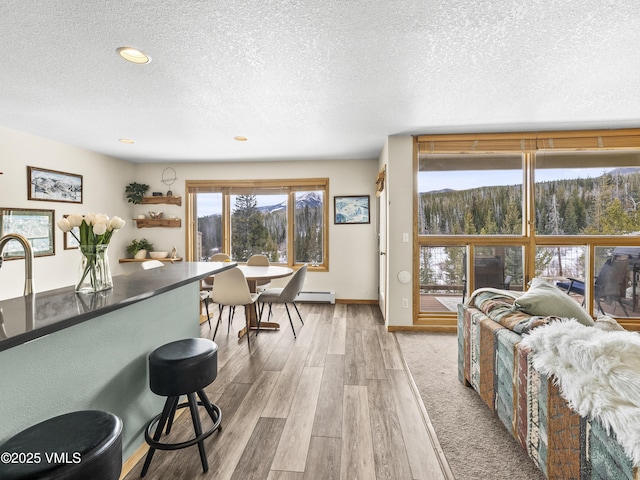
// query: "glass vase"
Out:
[94,274]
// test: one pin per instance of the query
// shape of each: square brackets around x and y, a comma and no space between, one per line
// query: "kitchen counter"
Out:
[62,352]
[23,319]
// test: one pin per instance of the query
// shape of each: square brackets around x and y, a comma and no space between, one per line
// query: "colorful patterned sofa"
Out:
[492,360]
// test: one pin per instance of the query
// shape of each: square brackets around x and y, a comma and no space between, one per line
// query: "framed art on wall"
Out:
[35,225]
[53,186]
[351,209]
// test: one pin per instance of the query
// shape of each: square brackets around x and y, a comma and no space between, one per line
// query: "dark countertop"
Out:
[26,318]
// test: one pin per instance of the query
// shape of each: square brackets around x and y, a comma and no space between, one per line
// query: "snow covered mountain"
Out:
[310,199]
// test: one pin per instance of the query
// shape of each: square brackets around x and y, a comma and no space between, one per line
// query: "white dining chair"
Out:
[260,260]
[231,289]
[216,257]
[207,284]
[286,295]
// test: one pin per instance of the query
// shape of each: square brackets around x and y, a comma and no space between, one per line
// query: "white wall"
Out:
[352,248]
[104,179]
[353,256]
[398,156]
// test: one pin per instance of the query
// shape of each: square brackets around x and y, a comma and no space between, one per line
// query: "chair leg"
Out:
[290,321]
[214,413]
[623,307]
[158,433]
[172,414]
[232,312]
[255,310]
[258,316]
[298,311]
[197,427]
[218,322]
[206,309]
[246,319]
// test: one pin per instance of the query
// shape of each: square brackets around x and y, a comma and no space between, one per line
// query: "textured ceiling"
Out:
[311,79]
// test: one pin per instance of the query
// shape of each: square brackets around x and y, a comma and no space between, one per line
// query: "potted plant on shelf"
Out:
[139,248]
[135,191]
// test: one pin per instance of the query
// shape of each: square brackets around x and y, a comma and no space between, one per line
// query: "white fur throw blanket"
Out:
[598,373]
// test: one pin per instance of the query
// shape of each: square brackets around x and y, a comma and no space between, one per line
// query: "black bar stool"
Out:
[73,446]
[183,367]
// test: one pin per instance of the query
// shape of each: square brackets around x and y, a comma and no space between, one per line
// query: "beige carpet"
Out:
[475,442]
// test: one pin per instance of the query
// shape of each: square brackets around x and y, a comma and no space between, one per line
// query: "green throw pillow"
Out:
[544,299]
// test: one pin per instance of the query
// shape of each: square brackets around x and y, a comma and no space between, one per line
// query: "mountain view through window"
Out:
[260,225]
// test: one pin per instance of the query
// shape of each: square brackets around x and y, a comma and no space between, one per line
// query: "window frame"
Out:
[529,144]
[232,187]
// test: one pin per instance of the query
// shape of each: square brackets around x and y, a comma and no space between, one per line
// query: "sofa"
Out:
[503,356]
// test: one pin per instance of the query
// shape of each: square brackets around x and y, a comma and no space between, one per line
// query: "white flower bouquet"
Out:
[95,232]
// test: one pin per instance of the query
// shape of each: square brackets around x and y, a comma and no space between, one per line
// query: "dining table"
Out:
[254,274]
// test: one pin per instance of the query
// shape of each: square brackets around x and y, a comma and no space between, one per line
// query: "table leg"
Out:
[253,319]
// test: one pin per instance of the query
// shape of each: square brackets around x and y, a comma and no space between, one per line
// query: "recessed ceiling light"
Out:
[126,140]
[240,138]
[133,55]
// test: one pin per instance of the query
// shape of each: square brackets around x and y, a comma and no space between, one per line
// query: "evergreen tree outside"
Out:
[249,235]
[209,222]
[455,267]
[513,219]
[513,265]
[469,226]
[427,275]
[606,205]
[308,241]
[210,228]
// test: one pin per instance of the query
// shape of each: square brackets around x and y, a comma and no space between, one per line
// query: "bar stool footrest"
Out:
[188,443]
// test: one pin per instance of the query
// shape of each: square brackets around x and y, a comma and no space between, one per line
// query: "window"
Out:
[209,225]
[310,227]
[259,226]
[587,193]
[497,210]
[285,220]
[470,195]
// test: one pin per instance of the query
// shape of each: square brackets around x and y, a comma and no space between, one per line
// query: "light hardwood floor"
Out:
[337,403]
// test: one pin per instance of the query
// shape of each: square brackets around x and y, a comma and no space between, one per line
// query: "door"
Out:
[382,251]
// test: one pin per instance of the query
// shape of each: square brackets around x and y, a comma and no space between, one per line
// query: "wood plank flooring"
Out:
[337,403]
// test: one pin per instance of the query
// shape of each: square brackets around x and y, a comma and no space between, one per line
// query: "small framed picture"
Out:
[70,238]
[53,186]
[351,209]
[35,225]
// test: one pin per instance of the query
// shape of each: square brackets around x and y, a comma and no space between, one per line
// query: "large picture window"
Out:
[476,195]
[497,210]
[285,220]
[587,193]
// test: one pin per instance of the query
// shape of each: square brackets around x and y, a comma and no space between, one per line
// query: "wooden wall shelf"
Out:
[159,200]
[162,222]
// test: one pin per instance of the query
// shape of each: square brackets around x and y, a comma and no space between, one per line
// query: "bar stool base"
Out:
[166,417]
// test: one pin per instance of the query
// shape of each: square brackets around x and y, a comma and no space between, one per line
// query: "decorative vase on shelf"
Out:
[140,254]
[94,274]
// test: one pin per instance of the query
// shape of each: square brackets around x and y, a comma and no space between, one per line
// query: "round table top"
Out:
[252,272]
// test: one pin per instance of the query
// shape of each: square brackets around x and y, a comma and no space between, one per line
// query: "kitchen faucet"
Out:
[28,259]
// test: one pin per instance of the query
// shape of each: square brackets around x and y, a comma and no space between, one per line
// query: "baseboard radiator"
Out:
[316,297]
